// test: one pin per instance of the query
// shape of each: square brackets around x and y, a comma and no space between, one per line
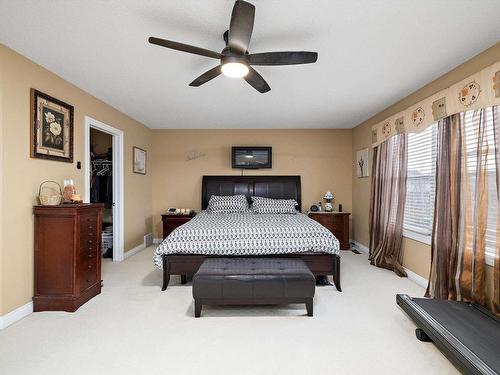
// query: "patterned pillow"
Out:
[263,205]
[225,204]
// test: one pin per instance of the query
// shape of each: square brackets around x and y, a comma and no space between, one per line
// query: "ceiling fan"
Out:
[235,61]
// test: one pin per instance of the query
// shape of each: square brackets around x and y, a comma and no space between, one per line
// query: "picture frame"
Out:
[139,160]
[362,163]
[51,128]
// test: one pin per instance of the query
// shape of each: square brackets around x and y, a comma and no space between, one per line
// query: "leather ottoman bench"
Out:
[253,281]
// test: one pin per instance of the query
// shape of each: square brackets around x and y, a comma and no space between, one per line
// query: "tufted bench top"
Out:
[254,266]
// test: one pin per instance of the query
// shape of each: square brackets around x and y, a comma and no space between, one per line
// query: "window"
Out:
[472,158]
[420,184]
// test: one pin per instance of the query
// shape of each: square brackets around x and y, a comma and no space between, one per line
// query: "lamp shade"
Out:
[328,195]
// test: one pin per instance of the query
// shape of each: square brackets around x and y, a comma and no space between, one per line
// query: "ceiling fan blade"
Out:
[256,81]
[283,58]
[241,26]
[184,47]
[207,76]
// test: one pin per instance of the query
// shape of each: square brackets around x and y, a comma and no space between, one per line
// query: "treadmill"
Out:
[466,333]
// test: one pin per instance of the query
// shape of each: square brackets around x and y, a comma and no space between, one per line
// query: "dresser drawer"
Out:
[88,232]
[88,224]
[88,243]
[88,273]
[88,252]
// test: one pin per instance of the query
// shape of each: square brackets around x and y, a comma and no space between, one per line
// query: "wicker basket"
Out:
[49,200]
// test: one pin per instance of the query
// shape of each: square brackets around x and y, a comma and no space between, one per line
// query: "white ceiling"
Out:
[371,54]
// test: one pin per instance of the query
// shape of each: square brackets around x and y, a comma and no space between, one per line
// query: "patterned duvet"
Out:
[247,234]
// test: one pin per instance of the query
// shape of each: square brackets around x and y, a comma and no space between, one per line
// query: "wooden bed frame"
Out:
[278,187]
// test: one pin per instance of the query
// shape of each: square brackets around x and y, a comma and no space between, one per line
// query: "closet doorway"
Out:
[104,182]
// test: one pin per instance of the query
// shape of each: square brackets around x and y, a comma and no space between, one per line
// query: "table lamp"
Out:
[328,199]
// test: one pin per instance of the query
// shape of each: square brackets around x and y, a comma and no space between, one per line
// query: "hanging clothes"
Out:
[102,182]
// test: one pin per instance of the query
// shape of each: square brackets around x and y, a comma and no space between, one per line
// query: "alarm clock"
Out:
[314,208]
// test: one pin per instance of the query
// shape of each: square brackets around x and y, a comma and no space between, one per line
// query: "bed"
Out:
[248,234]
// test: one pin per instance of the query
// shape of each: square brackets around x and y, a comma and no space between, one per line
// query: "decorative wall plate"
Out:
[417,116]
[469,93]
[496,84]
[439,108]
[400,125]
[386,129]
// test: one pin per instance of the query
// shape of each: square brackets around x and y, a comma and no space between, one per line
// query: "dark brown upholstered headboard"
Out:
[278,187]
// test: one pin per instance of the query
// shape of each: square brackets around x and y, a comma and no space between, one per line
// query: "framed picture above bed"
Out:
[51,128]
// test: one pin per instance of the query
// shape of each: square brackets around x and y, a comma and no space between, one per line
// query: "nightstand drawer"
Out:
[335,222]
[170,222]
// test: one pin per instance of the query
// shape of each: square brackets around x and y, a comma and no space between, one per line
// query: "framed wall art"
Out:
[362,163]
[51,128]
[139,160]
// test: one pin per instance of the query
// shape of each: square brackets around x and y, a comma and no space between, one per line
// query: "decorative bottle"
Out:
[68,191]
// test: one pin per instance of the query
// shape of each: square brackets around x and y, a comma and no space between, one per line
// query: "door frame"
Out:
[118,185]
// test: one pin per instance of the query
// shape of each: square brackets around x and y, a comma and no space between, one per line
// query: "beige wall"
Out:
[22,175]
[1,183]
[416,255]
[361,138]
[322,157]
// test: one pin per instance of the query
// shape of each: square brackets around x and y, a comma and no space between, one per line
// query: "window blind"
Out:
[420,183]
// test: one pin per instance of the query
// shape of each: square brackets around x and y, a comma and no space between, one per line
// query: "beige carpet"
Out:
[134,328]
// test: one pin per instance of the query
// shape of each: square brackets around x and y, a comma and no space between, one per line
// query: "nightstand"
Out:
[337,223]
[172,221]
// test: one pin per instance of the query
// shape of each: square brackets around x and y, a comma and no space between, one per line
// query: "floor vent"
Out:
[148,240]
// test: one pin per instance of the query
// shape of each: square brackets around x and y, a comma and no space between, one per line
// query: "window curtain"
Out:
[461,209]
[495,301]
[388,195]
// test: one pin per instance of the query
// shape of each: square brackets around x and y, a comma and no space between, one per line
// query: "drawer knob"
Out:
[91,227]
[91,255]
[90,241]
[90,267]
[88,280]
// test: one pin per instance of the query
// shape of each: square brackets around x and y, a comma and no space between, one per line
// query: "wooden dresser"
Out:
[337,223]
[67,256]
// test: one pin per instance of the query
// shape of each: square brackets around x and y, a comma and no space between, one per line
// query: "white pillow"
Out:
[263,205]
[225,204]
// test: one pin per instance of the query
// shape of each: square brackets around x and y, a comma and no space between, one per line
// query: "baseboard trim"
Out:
[16,315]
[416,278]
[360,247]
[157,241]
[134,251]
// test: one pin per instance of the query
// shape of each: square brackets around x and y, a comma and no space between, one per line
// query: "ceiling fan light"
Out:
[234,69]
